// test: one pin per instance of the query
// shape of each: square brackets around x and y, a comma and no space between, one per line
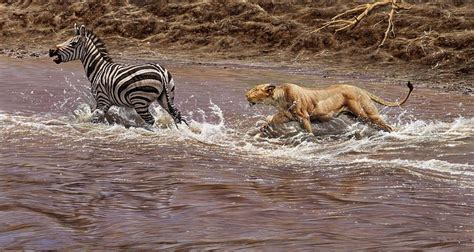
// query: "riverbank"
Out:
[433,43]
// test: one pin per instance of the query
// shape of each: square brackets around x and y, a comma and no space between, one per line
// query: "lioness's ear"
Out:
[82,31]
[269,89]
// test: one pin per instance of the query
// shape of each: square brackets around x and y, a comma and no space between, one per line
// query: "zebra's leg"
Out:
[144,112]
[98,115]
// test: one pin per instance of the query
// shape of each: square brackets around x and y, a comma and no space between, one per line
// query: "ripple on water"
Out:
[68,184]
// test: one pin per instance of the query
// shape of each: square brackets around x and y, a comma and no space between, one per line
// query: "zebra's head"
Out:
[70,49]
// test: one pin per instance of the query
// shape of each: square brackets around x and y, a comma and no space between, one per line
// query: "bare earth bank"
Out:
[433,43]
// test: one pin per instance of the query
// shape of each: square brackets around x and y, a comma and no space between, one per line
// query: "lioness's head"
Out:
[261,94]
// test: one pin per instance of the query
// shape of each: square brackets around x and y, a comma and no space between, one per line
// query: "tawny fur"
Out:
[306,105]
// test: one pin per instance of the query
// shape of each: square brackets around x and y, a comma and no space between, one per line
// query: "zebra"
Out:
[134,86]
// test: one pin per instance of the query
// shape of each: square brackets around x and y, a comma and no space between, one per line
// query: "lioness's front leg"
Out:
[278,118]
[307,125]
[304,119]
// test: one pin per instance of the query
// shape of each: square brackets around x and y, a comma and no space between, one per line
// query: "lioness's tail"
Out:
[391,104]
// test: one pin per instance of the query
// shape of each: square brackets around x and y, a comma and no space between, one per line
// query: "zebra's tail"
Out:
[172,110]
[176,114]
[168,101]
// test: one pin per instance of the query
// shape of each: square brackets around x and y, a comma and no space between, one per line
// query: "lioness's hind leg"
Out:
[374,116]
[356,109]
[368,112]
[377,120]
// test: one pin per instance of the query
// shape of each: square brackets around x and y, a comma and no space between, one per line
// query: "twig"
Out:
[338,23]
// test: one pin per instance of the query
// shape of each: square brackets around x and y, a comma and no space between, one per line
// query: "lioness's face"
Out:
[260,94]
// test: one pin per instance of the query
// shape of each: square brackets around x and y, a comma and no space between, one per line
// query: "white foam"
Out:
[443,170]
[352,143]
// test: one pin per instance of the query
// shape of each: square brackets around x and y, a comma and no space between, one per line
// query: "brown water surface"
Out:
[68,184]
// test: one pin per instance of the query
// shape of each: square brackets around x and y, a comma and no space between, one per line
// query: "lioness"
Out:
[306,105]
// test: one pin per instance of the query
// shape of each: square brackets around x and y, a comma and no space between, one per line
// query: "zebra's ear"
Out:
[76,30]
[82,30]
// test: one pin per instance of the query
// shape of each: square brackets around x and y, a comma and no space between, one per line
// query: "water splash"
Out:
[341,143]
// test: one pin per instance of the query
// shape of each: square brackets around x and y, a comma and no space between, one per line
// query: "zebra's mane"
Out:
[100,45]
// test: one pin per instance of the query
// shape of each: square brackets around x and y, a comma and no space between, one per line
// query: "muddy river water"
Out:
[68,184]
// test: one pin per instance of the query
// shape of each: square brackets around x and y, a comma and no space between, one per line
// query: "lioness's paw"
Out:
[264,128]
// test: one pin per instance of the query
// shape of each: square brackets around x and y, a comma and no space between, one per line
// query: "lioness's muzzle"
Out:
[249,100]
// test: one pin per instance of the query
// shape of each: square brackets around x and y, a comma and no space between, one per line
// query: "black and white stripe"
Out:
[135,86]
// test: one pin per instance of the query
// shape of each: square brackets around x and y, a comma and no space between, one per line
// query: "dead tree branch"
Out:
[339,23]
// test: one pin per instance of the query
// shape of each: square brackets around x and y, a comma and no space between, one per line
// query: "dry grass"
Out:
[437,34]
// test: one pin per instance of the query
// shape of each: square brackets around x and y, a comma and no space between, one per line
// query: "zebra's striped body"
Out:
[135,86]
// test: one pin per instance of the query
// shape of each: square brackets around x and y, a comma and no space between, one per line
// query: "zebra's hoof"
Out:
[149,127]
